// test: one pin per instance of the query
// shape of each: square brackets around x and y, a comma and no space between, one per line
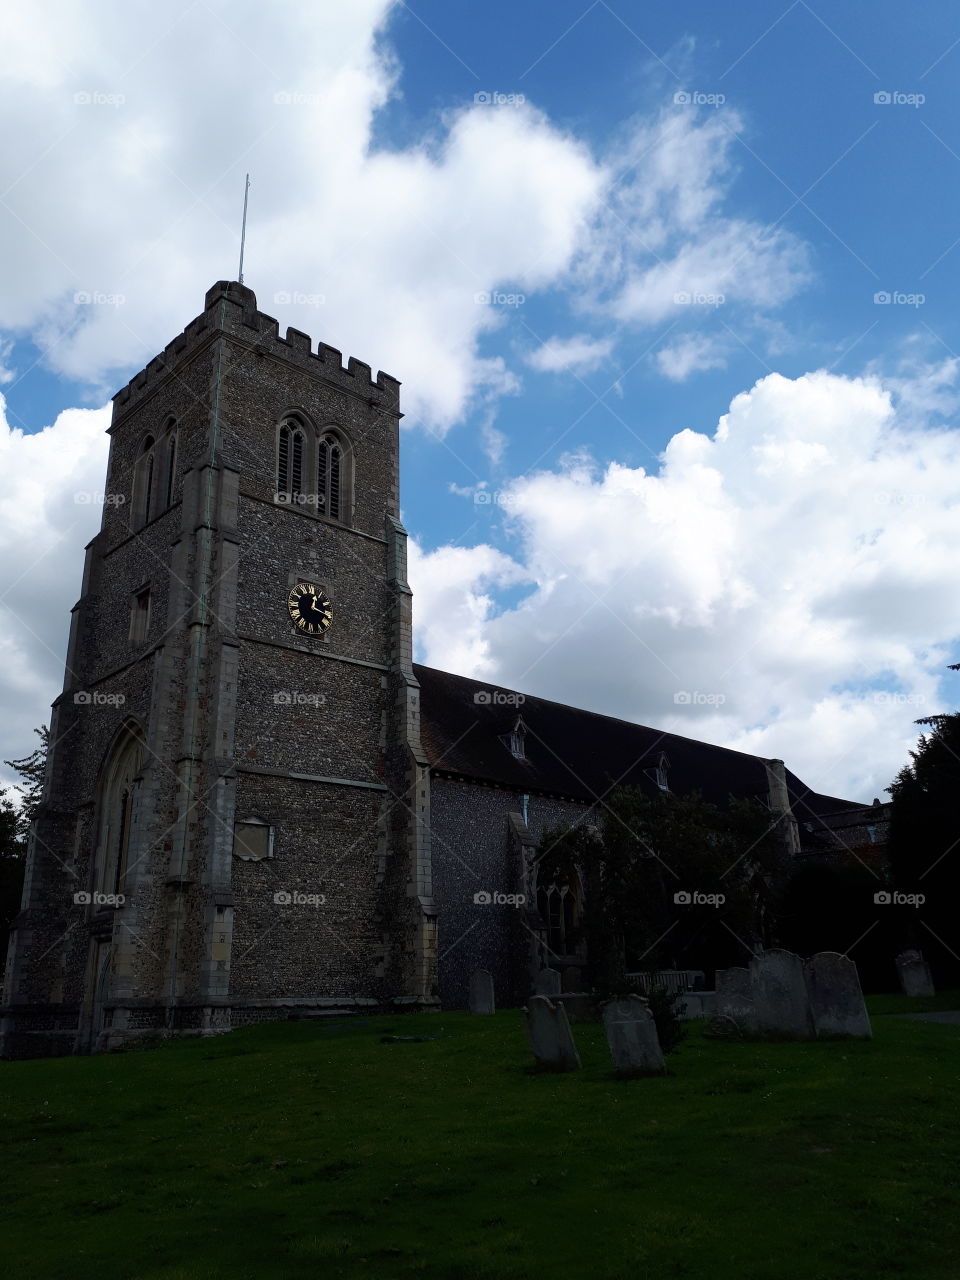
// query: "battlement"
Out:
[231,308]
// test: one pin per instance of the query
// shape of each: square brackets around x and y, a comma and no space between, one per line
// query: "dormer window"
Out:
[515,740]
[658,773]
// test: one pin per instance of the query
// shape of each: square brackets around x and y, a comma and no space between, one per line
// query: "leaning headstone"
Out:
[780,996]
[481,992]
[735,998]
[550,1036]
[836,999]
[632,1037]
[915,976]
[547,983]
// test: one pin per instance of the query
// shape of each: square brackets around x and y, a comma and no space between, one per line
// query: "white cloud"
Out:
[130,124]
[690,354]
[799,563]
[578,354]
[50,507]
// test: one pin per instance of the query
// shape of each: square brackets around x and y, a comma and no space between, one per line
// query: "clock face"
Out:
[309,608]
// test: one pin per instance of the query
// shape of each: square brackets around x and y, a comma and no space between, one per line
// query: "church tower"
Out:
[235,820]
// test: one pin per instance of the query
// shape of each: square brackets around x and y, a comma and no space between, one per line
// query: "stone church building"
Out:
[257,805]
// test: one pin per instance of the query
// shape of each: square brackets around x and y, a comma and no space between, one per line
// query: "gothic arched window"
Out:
[117,812]
[169,464]
[292,477]
[559,908]
[333,476]
[143,483]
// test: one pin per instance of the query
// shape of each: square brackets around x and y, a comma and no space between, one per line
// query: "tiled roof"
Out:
[465,725]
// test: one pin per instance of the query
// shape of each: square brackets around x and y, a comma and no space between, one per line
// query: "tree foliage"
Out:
[31,769]
[645,850]
[925,837]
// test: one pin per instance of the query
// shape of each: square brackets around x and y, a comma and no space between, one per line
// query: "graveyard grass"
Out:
[305,1149]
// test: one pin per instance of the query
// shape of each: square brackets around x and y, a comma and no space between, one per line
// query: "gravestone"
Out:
[550,1036]
[547,983]
[915,976]
[780,996]
[571,979]
[632,1037]
[836,1000]
[735,998]
[481,992]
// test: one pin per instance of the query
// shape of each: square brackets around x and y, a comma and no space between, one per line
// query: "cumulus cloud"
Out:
[578,354]
[690,354]
[50,507]
[784,585]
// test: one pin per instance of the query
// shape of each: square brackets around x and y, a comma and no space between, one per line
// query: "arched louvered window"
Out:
[170,466]
[332,475]
[292,478]
[143,484]
[116,813]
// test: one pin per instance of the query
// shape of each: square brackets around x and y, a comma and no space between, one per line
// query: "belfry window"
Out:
[291,461]
[143,483]
[332,466]
[169,466]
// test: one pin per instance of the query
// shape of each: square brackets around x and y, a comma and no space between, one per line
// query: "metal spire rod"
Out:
[243,227]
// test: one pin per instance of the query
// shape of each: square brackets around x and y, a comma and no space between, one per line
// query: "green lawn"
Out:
[300,1149]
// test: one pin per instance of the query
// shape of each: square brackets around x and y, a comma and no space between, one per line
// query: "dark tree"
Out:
[14,827]
[647,850]
[31,769]
[925,843]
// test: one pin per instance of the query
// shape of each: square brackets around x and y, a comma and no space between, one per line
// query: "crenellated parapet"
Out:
[231,308]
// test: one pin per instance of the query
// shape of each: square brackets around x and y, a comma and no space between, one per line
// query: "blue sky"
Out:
[583,169]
